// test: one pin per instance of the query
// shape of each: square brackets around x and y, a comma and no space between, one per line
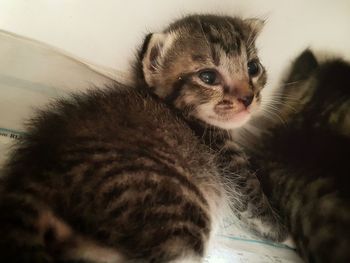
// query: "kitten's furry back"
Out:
[111,166]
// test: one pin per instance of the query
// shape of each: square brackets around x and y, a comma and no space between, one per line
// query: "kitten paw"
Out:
[289,242]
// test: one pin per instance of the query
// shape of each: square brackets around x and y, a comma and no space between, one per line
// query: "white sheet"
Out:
[31,74]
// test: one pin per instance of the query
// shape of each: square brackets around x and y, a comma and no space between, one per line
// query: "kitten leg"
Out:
[256,211]
[31,233]
[21,239]
[150,215]
[249,201]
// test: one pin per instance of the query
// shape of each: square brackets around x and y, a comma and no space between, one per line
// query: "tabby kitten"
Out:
[207,67]
[304,162]
[117,175]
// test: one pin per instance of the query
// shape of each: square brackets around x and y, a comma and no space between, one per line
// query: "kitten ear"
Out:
[303,67]
[255,25]
[151,56]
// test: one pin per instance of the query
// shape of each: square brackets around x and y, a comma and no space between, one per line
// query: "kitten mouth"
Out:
[231,113]
[227,109]
[226,115]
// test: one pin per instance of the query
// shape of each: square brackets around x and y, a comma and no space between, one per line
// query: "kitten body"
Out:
[303,162]
[143,174]
[115,167]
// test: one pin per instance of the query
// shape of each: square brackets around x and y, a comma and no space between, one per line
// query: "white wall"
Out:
[107,32]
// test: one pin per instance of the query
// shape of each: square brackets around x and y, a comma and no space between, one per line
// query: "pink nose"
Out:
[241,90]
[246,100]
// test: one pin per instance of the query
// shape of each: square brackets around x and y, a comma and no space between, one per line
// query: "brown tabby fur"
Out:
[133,174]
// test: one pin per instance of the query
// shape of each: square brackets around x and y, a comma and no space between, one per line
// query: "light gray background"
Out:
[107,32]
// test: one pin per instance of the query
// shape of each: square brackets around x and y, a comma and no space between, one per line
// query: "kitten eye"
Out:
[209,77]
[253,68]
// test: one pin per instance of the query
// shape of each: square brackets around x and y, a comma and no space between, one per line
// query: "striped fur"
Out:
[133,174]
[304,162]
[114,167]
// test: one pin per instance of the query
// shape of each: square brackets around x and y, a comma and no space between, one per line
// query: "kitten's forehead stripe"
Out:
[215,55]
[221,37]
[198,58]
[221,31]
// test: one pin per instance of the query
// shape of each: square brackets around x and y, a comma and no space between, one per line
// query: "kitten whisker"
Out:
[272,110]
[281,104]
[280,96]
[291,83]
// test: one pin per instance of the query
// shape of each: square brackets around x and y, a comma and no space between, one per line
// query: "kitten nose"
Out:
[242,91]
[246,100]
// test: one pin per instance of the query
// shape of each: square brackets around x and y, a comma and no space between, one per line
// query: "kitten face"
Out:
[207,66]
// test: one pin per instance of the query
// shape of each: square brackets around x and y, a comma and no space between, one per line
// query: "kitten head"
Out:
[207,67]
[317,93]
